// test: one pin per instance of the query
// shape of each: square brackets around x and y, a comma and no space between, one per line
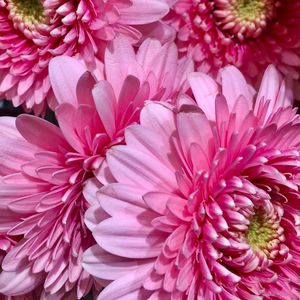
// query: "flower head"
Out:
[249,34]
[44,167]
[206,199]
[33,31]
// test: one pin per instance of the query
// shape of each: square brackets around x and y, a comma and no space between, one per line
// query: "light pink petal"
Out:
[234,85]
[8,127]
[19,282]
[143,12]
[159,118]
[157,58]
[93,216]
[184,68]
[157,201]
[144,139]
[65,114]
[120,61]
[119,208]
[194,128]
[128,286]
[157,30]
[104,265]
[273,89]
[91,187]
[105,103]
[14,153]
[147,51]
[116,193]
[205,91]
[64,73]
[134,167]
[129,237]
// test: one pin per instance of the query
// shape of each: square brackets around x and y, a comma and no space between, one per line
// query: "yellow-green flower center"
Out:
[245,18]
[250,10]
[31,11]
[261,231]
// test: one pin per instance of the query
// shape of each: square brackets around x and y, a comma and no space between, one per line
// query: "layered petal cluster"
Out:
[206,199]
[34,31]
[5,244]
[44,167]
[247,34]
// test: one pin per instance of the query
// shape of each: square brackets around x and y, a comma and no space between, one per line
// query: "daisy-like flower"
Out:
[44,167]
[206,199]
[34,31]
[249,34]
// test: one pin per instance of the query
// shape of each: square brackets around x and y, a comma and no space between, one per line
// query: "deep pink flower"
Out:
[247,34]
[206,203]
[33,31]
[43,167]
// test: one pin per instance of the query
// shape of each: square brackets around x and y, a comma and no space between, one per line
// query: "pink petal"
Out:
[19,282]
[101,264]
[143,12]
[205,91]
[129,237]
[134,167]
[64,73]
[128,286]
[35,129]
[84,89]
[105,102]
[65,114]
[234,85]
[120,61]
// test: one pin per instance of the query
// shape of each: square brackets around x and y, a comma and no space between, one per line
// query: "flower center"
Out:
[245,18]
[29,12]
[250,10]
[264,232]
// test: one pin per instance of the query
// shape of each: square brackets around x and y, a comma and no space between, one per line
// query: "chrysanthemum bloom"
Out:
[206,203]
[34,31]
[44,167]
[249,34]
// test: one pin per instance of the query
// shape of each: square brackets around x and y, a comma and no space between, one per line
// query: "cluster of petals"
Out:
[214,33]
[32,32]
[205,203]
[44,167]
[5,244]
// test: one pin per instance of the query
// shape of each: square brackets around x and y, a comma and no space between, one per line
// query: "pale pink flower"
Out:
[32,32]
[206,203]
[248,34]
[44,167]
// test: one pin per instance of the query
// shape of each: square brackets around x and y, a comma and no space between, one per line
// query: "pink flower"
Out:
[44,167]
[247,34]
[206,200]
[32,32]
